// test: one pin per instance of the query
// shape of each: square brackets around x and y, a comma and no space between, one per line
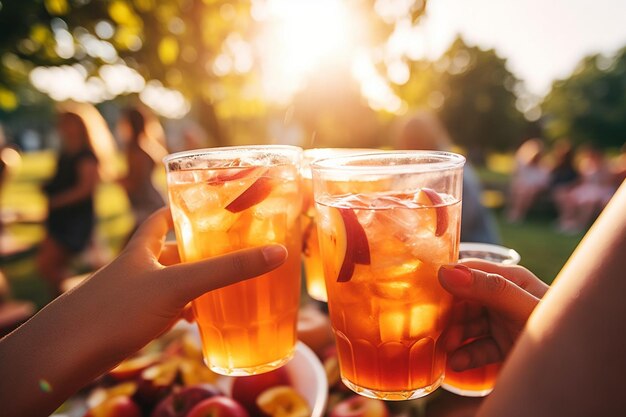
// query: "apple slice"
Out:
[350,242]
[253,195]
[430,198]
[283,401]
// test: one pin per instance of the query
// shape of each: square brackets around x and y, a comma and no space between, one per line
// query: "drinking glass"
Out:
[313,271]
[386,223]
[479,382]
[226,199]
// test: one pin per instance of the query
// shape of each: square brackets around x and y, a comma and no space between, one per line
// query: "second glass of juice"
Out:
[226,199]
[314,273]
[478,382]
[386,223]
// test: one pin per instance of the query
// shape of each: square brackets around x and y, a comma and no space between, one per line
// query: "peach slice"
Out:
[132,367]
[430,198]
[283,401]
[232,174]
[350,241]
[253,195]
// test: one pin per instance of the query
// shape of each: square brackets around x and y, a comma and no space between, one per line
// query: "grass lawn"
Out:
[543,250]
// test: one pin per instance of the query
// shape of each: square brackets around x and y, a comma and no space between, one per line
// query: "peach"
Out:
[133,367]
[246,389]
[358,406]
[218,406]
[350,241]
[430,198]
[283,401]
[180,402]
[117,406]
[253,195]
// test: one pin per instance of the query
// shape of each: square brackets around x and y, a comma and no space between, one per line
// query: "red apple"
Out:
[218,406]
[350,240]
[253,195]
[283,401]
[246,389]
[430,198]
[118,406]
[182,400]
[133,367]
[358,406]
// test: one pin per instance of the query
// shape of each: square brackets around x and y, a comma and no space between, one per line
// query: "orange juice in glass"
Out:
[313,271]
[478,382]
[225,199]
[386,223]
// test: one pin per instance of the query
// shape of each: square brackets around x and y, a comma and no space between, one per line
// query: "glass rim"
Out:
[208,151]
[449,160]
[512,256]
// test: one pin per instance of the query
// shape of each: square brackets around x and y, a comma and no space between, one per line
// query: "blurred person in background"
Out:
[424,131]
[579,206]
[144,145]
[563,173]
[85,159]
[530,179]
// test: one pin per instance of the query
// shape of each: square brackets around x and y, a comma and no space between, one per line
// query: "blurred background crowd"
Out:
[94,93]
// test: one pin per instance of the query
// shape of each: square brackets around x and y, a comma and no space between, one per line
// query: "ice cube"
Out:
[422,320]
[391,324]
[390,289]
[199,197]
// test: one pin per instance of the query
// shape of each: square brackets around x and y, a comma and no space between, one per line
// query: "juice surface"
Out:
[247,327]
[389,312]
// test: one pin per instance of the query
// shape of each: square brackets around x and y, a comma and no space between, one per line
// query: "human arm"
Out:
[569,360]
[114,313]
[493,302]
[88,178]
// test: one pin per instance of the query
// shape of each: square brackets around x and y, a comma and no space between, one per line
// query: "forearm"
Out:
[52,356]
[71,196]
[570,359]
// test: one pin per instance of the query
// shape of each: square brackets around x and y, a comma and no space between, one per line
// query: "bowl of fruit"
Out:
[169,379]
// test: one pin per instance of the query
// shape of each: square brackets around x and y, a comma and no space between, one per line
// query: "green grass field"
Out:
[543,250]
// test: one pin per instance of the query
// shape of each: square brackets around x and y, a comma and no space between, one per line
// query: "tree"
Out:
[589,106]
[206,49]
[478,100]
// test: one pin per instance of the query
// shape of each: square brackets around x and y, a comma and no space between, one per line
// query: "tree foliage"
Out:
[590,105]
[479,106]
[176,42]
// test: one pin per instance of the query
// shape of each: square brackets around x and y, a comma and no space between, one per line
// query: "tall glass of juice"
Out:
[386,223]
[478,382]
[226,199]
[313,271]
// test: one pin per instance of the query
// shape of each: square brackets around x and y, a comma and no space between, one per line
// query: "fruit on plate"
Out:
[157,381]
[246,389]
[218,406]
[181,401]
[253,195]
[430,198]
[283,401]
[314,329]
[117,406]
[350,243]
[358,406]
[133,367]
